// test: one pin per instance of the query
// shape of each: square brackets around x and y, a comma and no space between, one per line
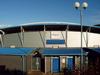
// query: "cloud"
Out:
[5,25]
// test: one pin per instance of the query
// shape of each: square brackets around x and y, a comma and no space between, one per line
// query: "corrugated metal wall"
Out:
[37,39]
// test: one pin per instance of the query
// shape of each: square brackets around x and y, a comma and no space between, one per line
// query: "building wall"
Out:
[33,39]
[16,62]
[94,40]
[47,64]
[55,35]
[11,62]
[38,39]
[73,39]
[29,63]
[12,39]
[77,62]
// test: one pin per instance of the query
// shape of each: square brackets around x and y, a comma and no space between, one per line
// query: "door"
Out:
[70,63]
[36,63]
[55,64]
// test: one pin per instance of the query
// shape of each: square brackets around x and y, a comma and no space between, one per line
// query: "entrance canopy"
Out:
[61,51]
[16,51]
[93,50]
[96,50]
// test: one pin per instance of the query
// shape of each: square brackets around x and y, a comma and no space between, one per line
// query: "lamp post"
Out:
[81,7]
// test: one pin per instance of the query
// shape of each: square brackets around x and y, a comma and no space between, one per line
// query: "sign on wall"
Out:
[55,39]
[56,35]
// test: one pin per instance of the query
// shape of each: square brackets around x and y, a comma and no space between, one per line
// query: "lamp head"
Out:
[84,5]
[77,5]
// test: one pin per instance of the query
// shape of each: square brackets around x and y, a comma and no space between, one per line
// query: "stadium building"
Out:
[49,46]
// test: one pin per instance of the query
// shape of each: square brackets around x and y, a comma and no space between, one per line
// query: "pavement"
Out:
[41,73]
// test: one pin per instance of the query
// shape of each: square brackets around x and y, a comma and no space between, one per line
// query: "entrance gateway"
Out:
[58,59]
[60,63]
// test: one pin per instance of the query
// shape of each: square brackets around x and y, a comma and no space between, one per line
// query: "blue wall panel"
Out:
[53,41]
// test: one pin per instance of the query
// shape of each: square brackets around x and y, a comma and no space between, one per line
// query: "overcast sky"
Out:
[16,12]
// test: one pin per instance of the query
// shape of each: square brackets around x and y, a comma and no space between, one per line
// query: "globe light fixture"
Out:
[77,5]
[84,5]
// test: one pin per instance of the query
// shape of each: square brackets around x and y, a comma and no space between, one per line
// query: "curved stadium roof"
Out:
[50,26]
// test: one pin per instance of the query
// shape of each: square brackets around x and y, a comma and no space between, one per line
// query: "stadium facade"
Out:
[52,45]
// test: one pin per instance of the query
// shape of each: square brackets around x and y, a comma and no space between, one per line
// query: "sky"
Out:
[16,12]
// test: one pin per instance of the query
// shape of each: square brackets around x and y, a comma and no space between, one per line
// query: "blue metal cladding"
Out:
[55,64]
[55,41]
[16,51]
[61,51]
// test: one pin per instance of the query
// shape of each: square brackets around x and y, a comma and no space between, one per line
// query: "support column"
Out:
[45,65]
[74,62]
[44,36]
[87,39]
[22,35]
[51,64]
[1,40]
[67,36]
[42,39]
[31,63]
[23,63]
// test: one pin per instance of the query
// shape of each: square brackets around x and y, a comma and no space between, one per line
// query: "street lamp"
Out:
[81,7]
